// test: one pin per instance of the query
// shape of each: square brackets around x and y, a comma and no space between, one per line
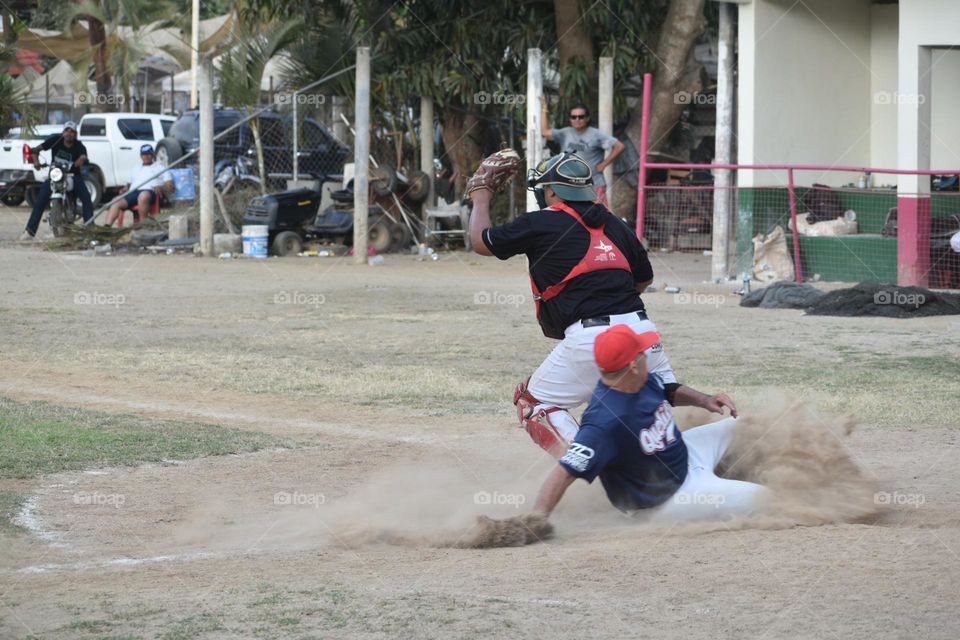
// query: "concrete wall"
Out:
[884,36]
[804,87]
[927,76]
[945,108]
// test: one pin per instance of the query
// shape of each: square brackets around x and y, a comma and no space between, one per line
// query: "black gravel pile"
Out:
[782,295]
[886,301]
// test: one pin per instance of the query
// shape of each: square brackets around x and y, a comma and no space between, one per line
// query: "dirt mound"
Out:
[887,301]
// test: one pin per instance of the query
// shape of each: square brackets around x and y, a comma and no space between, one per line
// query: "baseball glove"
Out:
[495,172]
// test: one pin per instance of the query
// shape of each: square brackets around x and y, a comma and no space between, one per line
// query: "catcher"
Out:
[586,271]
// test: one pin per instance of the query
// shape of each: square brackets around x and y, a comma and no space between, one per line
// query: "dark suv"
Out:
[320,153]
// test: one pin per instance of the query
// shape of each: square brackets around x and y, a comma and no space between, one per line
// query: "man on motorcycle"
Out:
[66,147]
[150,175]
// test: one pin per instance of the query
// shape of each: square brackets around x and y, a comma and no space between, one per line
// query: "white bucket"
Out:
[255,239]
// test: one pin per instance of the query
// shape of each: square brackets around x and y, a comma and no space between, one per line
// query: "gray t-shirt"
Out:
[590,146]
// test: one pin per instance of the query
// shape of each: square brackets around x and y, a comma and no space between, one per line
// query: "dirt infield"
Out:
[394,384]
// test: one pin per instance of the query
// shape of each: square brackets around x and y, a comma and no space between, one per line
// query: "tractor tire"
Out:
[418,187]
[287,243]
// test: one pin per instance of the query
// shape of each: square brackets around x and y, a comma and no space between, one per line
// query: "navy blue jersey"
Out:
[632,443]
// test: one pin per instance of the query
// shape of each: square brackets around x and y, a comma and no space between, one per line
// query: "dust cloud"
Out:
[799,454]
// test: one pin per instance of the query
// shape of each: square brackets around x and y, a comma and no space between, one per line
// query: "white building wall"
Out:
[945,108]
[804,87]
[884,36]
[927,89]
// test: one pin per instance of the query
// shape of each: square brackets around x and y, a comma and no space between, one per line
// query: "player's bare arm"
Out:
[552,490]
[545,129]
[491,178]
[618,148]
[480,220]
[686,396]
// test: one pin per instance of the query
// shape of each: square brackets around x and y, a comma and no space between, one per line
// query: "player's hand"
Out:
[543,102]
[716,404]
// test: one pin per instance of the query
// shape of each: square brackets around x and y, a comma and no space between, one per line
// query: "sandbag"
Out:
[835,227]
[771,260]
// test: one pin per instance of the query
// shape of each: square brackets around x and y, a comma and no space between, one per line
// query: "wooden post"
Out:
[206,156]
[605,114]
[534,137]
[426,148]
[194,52]
[723,178]
[361,157]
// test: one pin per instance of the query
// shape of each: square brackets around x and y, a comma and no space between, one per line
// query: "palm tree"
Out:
[113,56]
[12,99]
[241,71]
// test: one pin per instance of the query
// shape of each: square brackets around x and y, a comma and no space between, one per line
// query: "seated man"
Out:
[155,175]
[628,439]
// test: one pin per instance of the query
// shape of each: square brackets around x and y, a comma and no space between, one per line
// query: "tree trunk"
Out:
[572,37]
[261,165]
[573,41]
[98,43]
[463,140]
[675,71]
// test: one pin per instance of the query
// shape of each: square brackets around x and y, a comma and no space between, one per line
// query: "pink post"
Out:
[798,271]
[913,240]
[644,133]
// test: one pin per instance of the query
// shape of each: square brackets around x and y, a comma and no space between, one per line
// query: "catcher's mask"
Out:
[567,174]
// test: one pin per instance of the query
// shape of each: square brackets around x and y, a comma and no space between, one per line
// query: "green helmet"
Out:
[567,174]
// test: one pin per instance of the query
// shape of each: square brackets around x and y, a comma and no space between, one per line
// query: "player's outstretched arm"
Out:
[686,396]
[545,129]
[480,220]
[552,490]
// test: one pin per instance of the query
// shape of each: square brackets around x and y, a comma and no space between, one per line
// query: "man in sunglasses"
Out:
[587,142]
[587,270]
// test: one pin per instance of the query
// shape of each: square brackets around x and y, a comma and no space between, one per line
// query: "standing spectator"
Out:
[587,142]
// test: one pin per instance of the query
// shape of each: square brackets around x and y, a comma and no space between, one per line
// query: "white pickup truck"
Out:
[113,148]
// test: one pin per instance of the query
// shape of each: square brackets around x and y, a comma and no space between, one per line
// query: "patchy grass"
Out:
[880,390]
[39,438]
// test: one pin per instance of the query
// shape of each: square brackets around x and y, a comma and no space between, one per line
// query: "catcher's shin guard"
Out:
[552,428]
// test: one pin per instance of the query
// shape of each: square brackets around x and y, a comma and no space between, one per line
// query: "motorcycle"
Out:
[63,204]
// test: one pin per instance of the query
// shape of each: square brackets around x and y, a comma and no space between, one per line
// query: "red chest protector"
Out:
[602,254]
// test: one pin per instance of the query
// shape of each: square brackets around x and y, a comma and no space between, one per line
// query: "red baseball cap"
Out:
[620,345]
